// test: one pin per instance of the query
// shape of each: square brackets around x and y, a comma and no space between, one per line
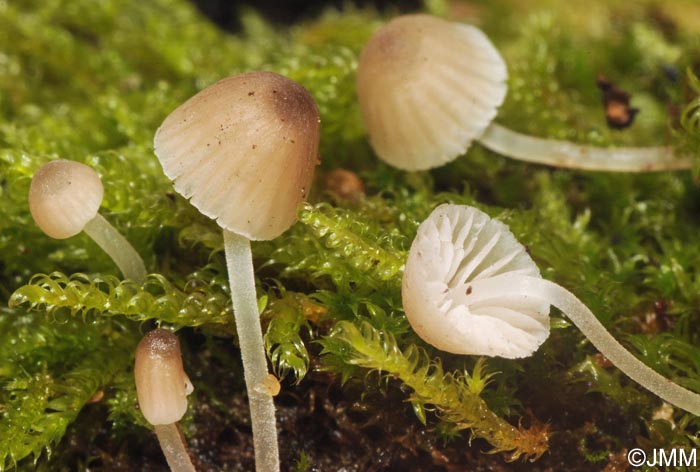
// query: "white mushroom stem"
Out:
[239,261]
[429,87]
[117,247]
[559,153]
[174,448]
[585,320]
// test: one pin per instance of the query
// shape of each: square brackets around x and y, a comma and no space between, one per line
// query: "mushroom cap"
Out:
[64,196]
[244,151]
[427,88]
[456,248]
[162,385]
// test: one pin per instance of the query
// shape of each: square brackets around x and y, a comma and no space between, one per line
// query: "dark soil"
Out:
[349,428]
[225,12]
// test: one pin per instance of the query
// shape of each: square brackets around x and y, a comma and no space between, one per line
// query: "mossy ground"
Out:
[91,81]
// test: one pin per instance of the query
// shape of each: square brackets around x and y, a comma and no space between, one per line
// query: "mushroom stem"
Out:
[117,247]
[559,153]
[173,448]
[239,261]
[585,320]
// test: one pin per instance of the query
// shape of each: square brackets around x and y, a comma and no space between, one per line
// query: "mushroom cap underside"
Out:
[455,249]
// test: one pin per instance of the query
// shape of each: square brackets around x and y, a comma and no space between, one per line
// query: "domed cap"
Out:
[244,151]
[456,248]
[427,88]
[162,385]
[64,196]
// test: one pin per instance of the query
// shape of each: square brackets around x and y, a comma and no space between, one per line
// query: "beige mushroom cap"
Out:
[64,196]
[427,88]
[162,385]
[244,151]
[456,250]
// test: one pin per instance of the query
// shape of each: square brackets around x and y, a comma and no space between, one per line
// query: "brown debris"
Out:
[658,320]
[346,184]
[97,397]
[616,101]
[601,361]
[617,462]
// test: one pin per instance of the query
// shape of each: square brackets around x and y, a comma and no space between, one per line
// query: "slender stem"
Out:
[117,247]
[174,448]
[589,325]
[558,153]
[239,261]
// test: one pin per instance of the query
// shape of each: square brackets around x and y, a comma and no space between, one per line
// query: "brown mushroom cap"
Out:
[64,196]
[244,151]
[427,88]
[162,385]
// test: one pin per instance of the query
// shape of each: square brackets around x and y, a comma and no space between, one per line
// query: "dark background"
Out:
[224,12]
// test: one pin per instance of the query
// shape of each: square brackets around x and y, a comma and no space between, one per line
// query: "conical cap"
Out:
[243,151]
[427,88]
[162,385]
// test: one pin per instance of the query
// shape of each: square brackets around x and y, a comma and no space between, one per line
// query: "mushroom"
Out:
[456,246]
[162,387]
[470,288]
[429,87]
[244,151]
[64,199]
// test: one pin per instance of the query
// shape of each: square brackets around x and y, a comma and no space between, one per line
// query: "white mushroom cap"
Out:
[244,151]
[427,88]
[64,196]
[456,248]
[162,385]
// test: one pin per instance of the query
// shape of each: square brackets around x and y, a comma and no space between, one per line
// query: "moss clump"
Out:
[82,81]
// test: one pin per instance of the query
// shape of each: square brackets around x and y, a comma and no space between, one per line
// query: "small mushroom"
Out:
[64,199]
[470,288]
[244,151]
[162,387]
[455,247]
[429,87]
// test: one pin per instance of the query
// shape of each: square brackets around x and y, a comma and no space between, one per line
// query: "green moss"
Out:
[81,80]
[456,396]
[50,371]
[283,340]
[202,301]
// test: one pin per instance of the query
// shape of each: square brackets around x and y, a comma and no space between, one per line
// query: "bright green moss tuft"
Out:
[202,301]
[50,371]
